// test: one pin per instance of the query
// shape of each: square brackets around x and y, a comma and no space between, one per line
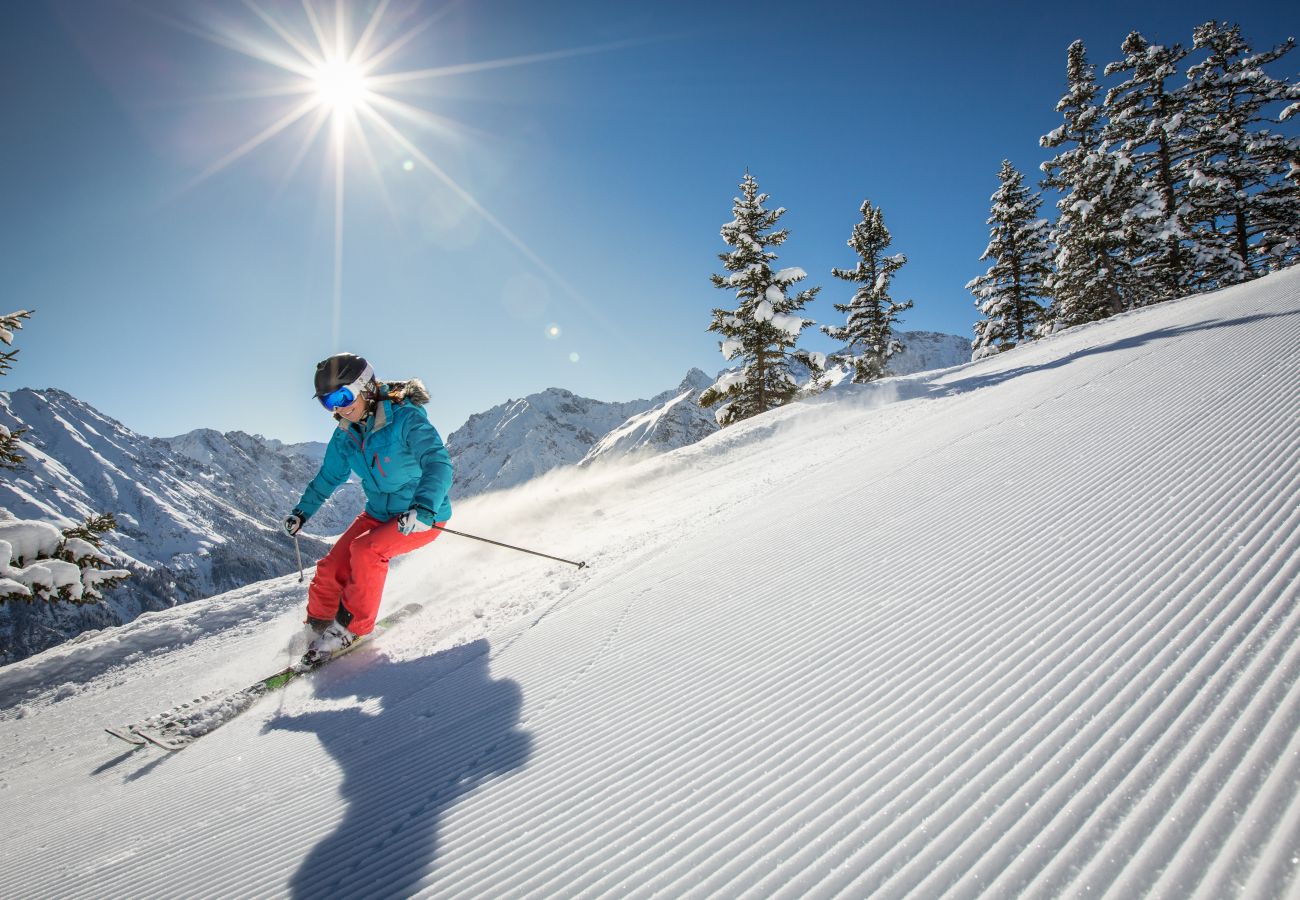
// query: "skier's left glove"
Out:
[294,522]
[415,519]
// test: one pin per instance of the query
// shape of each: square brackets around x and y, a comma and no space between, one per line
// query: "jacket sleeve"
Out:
[333,472]
[425,445]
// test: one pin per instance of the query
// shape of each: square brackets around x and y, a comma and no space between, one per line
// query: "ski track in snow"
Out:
[1027,627]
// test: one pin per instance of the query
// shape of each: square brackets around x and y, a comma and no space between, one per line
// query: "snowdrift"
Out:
[1024,627]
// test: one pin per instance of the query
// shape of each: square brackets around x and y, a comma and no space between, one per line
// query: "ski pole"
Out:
[298,550]
[580,565]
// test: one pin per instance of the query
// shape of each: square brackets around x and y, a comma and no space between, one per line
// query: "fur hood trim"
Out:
[412,391]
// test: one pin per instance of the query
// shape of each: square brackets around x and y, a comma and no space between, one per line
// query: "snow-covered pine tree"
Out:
[1146,120]
[40,562]
[82,544]
[869,328]
[762,330]
[37,560]
[10,458]
[1106,212]
[1245,183]
[1007,294]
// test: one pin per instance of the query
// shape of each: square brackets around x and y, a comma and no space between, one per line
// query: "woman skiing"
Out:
[385,437]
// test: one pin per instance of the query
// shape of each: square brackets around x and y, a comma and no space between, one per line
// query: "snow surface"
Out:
[1023,627]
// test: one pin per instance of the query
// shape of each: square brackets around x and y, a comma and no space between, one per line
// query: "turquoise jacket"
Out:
[399,457]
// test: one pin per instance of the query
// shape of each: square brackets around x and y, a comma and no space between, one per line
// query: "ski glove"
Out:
[293,522]
[417,518]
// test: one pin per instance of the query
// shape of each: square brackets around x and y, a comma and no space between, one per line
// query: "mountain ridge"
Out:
[198,513]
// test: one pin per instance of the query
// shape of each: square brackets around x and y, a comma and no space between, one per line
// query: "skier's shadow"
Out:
[446,726]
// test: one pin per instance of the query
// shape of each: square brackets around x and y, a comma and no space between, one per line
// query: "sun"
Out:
[341,85]
[332,74]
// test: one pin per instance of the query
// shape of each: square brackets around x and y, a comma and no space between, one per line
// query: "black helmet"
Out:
[342,370]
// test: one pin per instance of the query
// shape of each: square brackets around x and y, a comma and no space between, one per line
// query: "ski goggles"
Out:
[348,394]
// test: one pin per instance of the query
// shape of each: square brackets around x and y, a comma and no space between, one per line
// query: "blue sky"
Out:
[174,292]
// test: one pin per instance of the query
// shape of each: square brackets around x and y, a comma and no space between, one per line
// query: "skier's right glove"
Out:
[294,522]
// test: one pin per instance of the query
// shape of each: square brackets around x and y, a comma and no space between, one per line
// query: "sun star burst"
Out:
[336,73]
[341,84]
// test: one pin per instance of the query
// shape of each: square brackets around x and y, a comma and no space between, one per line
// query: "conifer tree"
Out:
[1146,121]
[762,330]
[1106,212]
[869,329]
[1245,183]
[1007,294]
[10,458]
[92,528]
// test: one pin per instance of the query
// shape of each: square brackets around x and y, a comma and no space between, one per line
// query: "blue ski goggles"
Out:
[338,399]
[348,394]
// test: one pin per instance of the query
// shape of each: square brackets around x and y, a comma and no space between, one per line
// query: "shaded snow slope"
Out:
[1024,627]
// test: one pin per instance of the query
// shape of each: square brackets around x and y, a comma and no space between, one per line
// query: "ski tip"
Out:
[124,733]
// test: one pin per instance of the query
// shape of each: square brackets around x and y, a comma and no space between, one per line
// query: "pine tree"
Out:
[762,330]
[92,529]
[1245,184]
[1146,120]
[10,458]
[1106,212]
[81,545]
[871,313]
[1007,293]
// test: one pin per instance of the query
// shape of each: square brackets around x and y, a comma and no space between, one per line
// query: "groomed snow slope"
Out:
[1026,627]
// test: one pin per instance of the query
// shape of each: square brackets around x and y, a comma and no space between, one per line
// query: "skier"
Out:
[385,437]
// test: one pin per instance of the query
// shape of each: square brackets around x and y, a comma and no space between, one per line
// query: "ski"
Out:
[182,725]
[125,733]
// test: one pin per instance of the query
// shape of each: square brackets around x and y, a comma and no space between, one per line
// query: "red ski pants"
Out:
[352,574]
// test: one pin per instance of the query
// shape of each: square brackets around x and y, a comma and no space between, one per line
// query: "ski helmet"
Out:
[342,373]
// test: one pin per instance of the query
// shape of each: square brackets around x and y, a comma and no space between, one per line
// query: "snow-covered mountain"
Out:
[924,351]
[518,440]
[196,514]
[674,421]
[1028,627]
[267,474]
